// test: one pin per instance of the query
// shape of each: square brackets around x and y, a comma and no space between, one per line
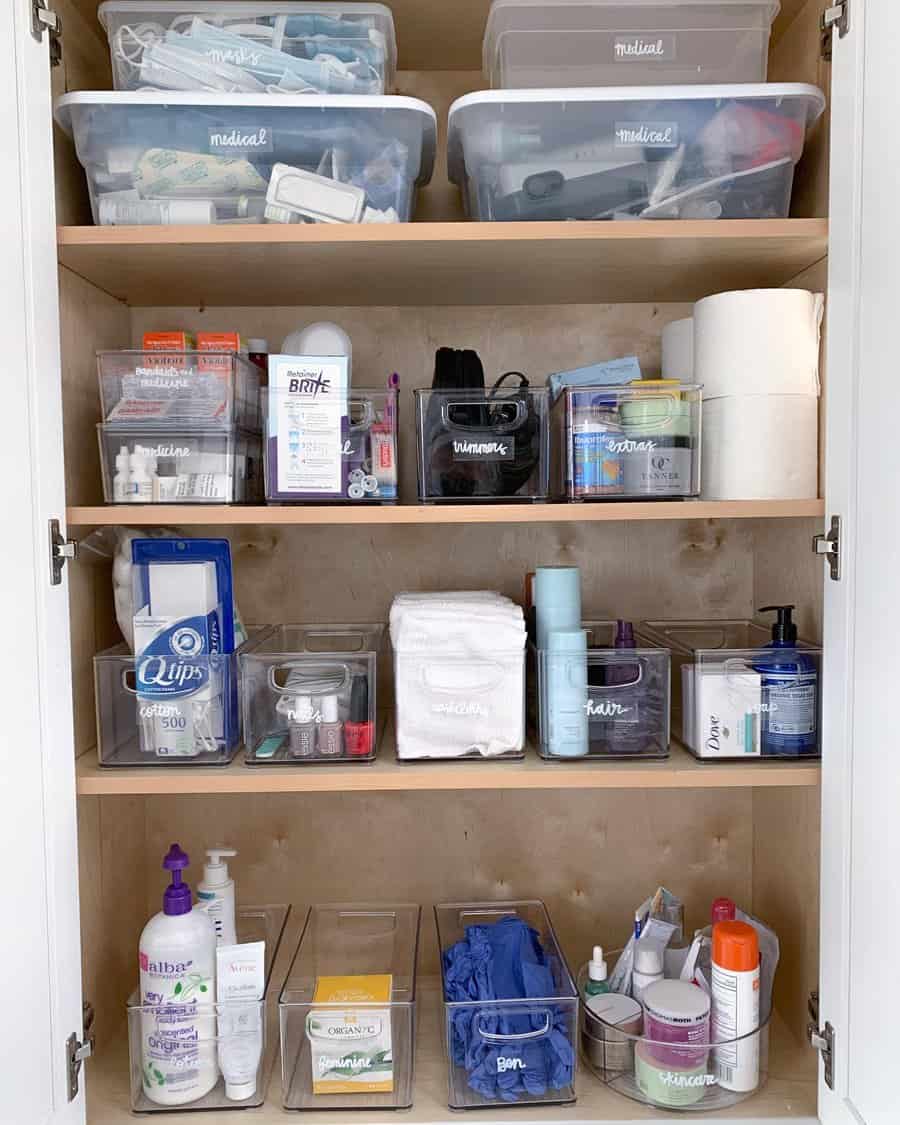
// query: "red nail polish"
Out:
[359,729]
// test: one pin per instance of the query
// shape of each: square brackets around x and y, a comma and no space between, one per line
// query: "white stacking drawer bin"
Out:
[250,46]
[665,152]
[201,158]
[541,43]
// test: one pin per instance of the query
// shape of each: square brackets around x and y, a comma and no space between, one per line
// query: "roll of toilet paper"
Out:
[758,341]
[678,350]
[760,447]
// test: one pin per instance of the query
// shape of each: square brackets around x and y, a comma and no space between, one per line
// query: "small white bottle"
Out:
[139,482]
[216,892]
[177,958]
[648,967]
[121,480]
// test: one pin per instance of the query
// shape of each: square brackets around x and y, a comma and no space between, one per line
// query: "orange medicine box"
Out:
[168,342]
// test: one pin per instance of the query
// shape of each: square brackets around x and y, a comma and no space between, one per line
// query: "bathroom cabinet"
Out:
[809,848]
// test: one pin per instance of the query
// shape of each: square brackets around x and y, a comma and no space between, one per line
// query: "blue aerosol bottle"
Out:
[790,683]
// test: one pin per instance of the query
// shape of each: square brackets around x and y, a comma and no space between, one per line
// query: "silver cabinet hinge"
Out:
[45,19]
[823,1041]
[834,16]
[61,550]
[829,546]
[77,1050]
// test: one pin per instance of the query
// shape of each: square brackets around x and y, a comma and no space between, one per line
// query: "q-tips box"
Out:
[350,1047]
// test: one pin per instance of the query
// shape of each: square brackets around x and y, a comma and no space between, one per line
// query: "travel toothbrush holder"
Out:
[309,695]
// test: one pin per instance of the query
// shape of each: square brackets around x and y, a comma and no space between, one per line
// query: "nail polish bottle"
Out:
[358,733]
[303,728]
[331,739]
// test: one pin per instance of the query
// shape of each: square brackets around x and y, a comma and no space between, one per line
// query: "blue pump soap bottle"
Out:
[789,725]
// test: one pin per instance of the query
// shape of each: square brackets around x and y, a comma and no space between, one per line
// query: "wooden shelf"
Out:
[789,1095]
[440,263]
[386,774]
[217,515]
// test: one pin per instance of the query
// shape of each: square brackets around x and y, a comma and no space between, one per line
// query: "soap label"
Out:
[350,1039]
[644,48]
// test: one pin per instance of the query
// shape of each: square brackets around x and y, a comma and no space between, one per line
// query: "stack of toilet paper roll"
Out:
[756,355]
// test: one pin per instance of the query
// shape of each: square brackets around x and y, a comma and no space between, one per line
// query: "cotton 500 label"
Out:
[471,449]
[225,140]
[644,48]
[646,134]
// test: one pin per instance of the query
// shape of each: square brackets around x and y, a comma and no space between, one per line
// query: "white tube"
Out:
[240,984]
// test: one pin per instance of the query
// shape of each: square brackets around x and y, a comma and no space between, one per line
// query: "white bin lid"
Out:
[462,110]
[374,105]
[167,10]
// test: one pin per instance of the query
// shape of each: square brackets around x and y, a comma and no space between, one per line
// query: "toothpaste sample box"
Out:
[350,1046]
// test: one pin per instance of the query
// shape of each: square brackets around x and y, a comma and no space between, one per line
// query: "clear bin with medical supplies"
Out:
[308,694]
[163,464]
[201,158]
[251,46]
[343,453]
[539,43]
[466,705]
[662,152]
[178,388]
[208,1037]
[735,697]
[669,1060]
[348,1009]
[153,712]
[636,442]
[603,703]
[483,445]
[505,1050]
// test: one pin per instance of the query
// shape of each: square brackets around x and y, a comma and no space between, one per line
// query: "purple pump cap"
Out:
[177,898]
[624,634]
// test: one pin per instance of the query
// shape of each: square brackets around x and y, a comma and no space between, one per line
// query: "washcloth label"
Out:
[350,1047]
[648,134]
[469,449]
[640,48]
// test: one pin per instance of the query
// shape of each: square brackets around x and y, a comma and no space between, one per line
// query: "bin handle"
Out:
[330,635]
[650,427]
[485,402]
[129,676]
[612,688]
[368,413]
[490,666]
[520,1037]
[332,678]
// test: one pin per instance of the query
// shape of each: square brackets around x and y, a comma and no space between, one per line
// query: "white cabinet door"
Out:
[39,936]
[860,923]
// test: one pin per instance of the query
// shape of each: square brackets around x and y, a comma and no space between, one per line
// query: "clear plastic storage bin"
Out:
[628,443]
[179,389]
[146,717]
[663,152]
[483,445]
[348,1009]
[250,46]
[739,698]
[508,1050]
[201,158]
[605,704]
[308,694]
[692,1076]
[165,464]
[196,1032]
[538,43]
[345,452]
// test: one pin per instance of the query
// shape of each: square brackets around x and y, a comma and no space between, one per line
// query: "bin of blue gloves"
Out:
[510,1006]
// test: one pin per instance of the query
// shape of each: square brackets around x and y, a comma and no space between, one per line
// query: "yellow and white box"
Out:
[350,1047]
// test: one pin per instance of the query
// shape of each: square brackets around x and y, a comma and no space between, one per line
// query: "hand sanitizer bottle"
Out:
[596,982]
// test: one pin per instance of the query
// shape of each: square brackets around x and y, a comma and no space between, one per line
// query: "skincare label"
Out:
[308,423]
[350,1039]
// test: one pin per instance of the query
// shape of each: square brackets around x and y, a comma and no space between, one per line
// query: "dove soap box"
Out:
[350,1035]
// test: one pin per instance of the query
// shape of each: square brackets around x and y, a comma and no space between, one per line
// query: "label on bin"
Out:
[644,48]
[471,449]
[647,134]
[226,140]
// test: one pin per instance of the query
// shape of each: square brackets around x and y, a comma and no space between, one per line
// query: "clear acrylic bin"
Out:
[674,1076]
[200,158]
[179,389]
[343,453]
[245,45]
[145,717]
[368,1063]
[606,705]
[168,1023]
[538,43]
[465,705]
[483,445]
[507,1051]
[180,465]
[295,678]
[739,698]
[628,443]
[662,152]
